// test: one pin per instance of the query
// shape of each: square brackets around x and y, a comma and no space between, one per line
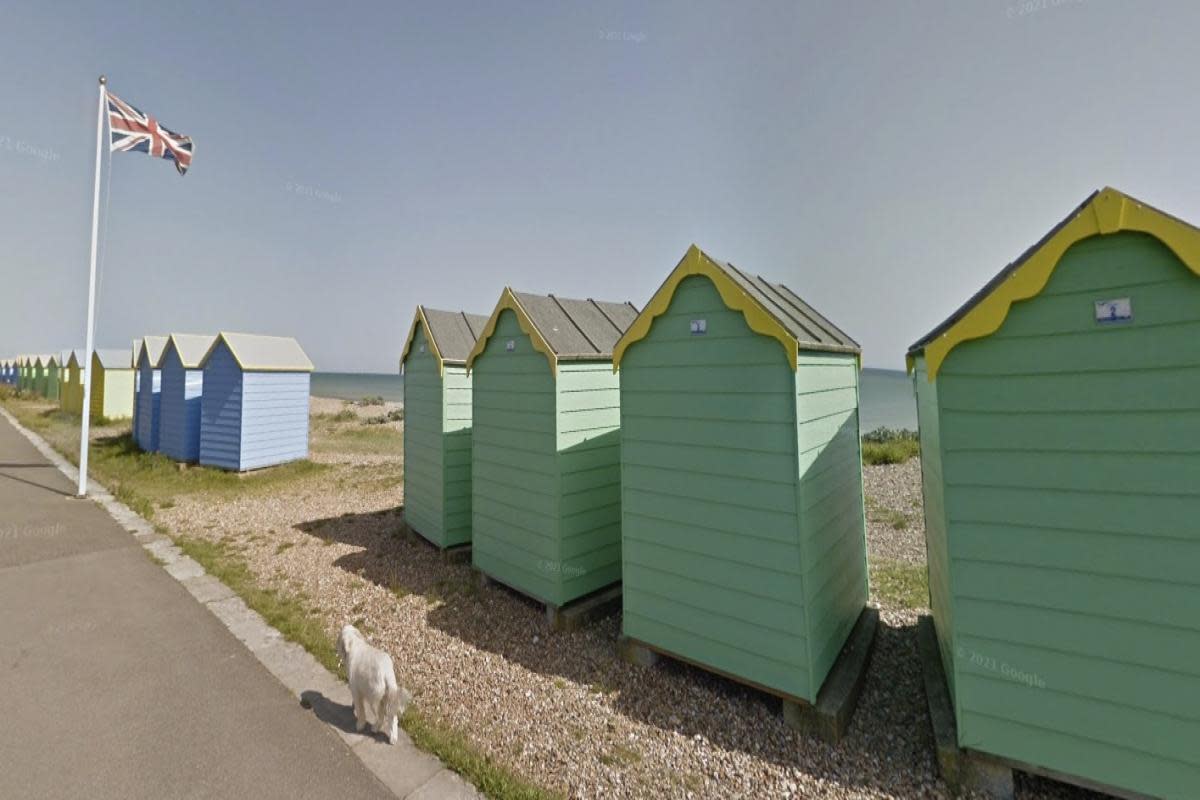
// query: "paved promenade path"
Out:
[115,682]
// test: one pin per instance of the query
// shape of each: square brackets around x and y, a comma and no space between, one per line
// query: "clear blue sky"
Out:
[882,159]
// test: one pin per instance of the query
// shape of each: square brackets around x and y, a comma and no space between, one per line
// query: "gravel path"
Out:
[560,708]
[895,512]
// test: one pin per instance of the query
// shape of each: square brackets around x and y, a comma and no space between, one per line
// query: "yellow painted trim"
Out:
[697,262]
[412,332]
[509,301]
[1108,213]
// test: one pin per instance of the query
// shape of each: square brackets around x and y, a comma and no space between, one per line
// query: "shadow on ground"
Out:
[889,744]
[335,714]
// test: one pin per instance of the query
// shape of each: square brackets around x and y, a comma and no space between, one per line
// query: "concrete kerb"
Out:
[404,769]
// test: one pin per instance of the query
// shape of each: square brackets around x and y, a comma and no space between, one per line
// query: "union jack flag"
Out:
[133,130]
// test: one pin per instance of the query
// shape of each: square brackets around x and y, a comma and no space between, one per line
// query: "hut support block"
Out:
[635,652]
[964,771]
[457,554]
[829,718]
[579,612]
[460,554]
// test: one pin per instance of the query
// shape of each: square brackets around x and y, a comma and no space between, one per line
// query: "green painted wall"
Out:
[53,382]
[934,501]
[545,504]
[833,544]
[715,555]
[514,477]
[589,465]
[424,489]
[456,458]
[1072,490]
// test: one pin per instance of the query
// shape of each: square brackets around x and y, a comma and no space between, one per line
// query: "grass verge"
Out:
[899,585]
[464,758]
[286,612]
[145,480]
[889,452]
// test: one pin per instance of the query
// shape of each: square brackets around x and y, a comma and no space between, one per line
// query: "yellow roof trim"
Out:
[697,262]
[412,332]
[509,301]
[1108,213]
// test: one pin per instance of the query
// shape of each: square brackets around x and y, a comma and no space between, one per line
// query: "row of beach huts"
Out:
[700,459]
[234,400]
[701,456]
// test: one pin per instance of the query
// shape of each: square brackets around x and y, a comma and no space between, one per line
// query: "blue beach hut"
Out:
[254,407]
[147,400]
[182,387]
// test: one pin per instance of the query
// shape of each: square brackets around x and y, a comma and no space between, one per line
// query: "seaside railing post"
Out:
[91,312]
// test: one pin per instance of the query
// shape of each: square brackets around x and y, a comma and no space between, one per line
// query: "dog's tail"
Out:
[393,701]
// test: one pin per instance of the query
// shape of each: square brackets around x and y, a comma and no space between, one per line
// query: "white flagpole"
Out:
[91,313]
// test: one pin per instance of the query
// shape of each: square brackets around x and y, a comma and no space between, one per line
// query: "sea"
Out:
[886,395]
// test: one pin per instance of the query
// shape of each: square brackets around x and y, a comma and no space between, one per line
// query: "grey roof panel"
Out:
[454,332]
[577,329]
[810,329]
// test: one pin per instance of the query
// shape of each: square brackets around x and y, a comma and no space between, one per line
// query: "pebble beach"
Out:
[560,708]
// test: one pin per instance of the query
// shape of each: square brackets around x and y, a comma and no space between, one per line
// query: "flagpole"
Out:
[91,312]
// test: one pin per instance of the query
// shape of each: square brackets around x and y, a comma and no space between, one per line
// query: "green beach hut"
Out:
[743,537]
[52,375]
[43,365]
[437,424]
[25,373]
[1059,419]
[545,467]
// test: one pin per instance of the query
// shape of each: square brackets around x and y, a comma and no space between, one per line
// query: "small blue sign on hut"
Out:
[254,407]
[182,390]
[146,403]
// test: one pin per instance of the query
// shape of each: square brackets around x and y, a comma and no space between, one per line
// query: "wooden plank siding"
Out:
[588,419]
[221,412]
[832,523]
[251,419]
[424,470]
[712,555]
[112,393]
[180,412]
[147,406]
[53,381]
[456,458]
[515,488]
[274,418]
[1072,490]
[933,491]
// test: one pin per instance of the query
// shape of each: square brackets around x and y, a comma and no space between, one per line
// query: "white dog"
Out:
[377,697]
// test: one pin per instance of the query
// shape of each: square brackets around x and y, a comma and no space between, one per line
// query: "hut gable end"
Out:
[769,309]
[449,335]
[1104,213]
[221,410]
[562,329]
